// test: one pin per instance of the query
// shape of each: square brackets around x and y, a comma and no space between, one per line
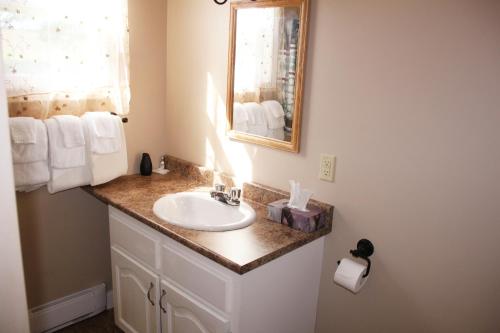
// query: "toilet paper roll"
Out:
[349,275]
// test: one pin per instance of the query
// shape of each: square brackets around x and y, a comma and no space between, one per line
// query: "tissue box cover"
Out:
[311,220]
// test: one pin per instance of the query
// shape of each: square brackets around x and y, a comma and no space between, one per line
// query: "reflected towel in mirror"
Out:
[240,118]
[257,122]
[275,114]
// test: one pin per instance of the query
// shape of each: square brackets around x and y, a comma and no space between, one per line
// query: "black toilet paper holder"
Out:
[364,249]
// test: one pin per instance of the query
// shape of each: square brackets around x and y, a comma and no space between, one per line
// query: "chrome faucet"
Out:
[232,198]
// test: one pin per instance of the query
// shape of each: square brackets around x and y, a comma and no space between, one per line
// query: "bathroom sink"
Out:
[199,211]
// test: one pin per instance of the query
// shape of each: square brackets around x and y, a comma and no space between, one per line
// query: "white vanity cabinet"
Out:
[135,292]
[182,313]
[160,285]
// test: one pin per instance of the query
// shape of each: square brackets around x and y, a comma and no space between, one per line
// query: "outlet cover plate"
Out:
[327,167]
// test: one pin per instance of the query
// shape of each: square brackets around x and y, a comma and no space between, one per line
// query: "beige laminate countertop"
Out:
[239,250]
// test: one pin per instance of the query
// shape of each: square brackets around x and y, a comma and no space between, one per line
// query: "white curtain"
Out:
[65,56]
[256,49]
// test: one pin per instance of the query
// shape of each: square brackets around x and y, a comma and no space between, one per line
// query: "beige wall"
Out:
[65,236]
[146,128]
[65,240]
[407,95]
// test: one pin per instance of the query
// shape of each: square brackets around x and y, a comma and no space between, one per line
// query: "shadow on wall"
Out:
[65,243]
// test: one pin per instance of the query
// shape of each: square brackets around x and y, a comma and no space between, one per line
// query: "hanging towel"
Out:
[240,127]
[64,179]
[275,114]
[30,176]
[239,114]
[106,167]
[274,107]
[28,188]
[256,113]
[31,152]
[277,133]
[240,118]
[71,129]
[257,122]
[68,168]
[31,168]
[103,127]
[23,130]
[103,132]
[61,156]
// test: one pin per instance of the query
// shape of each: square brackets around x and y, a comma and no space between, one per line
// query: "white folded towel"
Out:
[240,127]
[22,130]
[275,114]
[239,114]
[29,176]
[71,129]
[260,130]
[277,133]
[62,157]
[28,188]
[106,167]
[275,107]
[257,122]
[240,118]
[64,179]
[103,128]
[256,113]
[68,165]
[102,132]
[31,152]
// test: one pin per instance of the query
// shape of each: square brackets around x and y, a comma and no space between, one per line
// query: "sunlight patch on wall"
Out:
[209,155]
[221,153]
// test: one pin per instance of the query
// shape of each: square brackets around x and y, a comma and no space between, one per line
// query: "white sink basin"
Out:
[199,211]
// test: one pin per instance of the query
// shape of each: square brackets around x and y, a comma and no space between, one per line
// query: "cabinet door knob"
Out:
[163,293]
[151,286]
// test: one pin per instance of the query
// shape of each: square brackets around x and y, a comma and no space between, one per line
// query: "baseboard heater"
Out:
[68,310]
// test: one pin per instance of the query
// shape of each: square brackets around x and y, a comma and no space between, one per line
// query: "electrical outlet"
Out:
[327,167]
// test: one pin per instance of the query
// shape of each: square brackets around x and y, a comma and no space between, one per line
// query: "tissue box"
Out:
[309,221]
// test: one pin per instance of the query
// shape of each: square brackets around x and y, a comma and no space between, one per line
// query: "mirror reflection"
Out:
[265,68]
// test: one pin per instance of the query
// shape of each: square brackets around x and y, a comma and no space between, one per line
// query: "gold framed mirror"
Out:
[267,49]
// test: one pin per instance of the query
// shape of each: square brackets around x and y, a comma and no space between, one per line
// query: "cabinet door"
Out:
[135,292]
[181,313]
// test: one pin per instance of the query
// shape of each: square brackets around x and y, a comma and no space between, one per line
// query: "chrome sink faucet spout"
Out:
[232,198]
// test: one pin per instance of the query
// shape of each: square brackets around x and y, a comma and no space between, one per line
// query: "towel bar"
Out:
[124,119]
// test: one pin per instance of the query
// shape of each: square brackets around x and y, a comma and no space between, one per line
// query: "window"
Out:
[65,57]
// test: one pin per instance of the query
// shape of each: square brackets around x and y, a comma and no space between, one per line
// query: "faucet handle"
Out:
[235,194]
[220,188]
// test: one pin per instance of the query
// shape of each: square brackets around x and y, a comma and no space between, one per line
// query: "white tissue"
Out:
[298,197]
[161,171]
[349,275]
[294,189]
